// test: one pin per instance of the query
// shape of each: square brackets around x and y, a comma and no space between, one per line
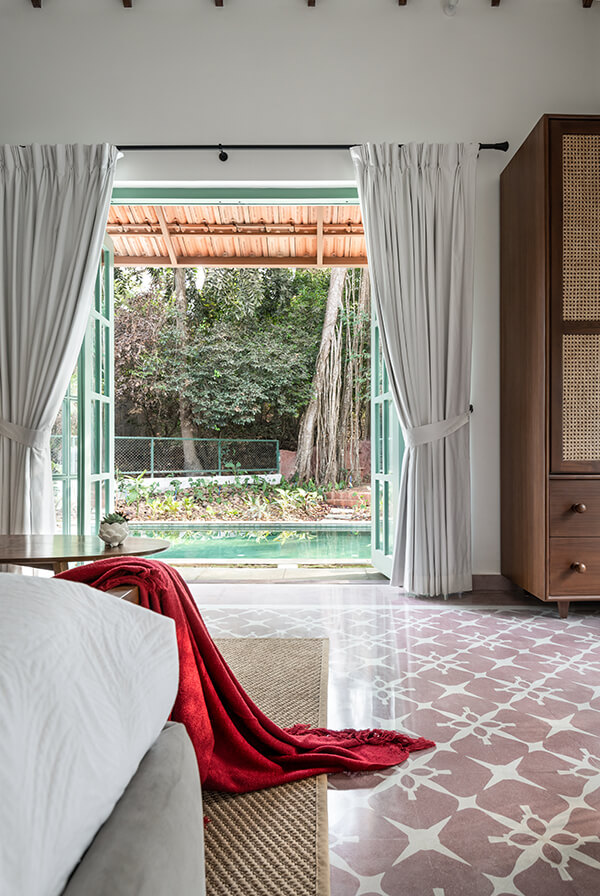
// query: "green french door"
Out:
[82,441]
[387,449]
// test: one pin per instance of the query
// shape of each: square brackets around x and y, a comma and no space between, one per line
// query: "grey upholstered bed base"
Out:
[153,842]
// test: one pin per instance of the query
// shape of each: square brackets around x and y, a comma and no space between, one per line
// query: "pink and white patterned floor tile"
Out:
[508,802]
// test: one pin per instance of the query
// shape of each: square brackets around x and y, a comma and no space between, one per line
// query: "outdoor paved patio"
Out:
[283,573]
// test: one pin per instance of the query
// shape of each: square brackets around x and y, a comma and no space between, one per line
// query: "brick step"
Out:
[349,497]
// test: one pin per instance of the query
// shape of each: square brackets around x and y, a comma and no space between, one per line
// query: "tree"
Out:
[321,380]
[186,420]
[220,364]
[356,394]
[141,316]
[335,418]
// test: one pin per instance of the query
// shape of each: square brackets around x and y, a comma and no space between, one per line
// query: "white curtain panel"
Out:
[418,207]
[54,203]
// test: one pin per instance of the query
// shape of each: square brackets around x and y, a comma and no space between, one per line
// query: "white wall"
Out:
[275,71]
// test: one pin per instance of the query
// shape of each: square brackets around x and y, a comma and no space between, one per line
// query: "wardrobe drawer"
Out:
[574,566]
[574,507]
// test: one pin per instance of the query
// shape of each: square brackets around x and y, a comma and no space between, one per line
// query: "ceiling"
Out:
[237,235]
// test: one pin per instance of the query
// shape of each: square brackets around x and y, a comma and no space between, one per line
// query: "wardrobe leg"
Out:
[563,608]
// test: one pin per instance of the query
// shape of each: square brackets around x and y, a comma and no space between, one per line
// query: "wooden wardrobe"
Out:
[550,361]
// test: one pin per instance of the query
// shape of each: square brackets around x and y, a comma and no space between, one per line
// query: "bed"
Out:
[100,793]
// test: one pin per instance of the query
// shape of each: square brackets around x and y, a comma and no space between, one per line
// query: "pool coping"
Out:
[269,563]
[264,525]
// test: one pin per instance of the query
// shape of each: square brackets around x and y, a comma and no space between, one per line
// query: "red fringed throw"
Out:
[238,748]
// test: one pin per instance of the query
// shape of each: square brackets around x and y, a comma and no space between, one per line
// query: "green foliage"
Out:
[232,294]
[140,318]
[133,491]
[114,517]
[246,498]
[245,366]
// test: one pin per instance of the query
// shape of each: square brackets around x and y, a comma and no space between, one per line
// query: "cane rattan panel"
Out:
[581,397]
[581,227]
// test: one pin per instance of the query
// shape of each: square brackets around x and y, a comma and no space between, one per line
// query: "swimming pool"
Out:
[265,541]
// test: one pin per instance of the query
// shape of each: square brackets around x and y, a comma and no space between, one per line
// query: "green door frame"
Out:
[83,438]
[235,196]
[96,414]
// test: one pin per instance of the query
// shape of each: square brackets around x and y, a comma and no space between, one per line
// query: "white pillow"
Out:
[87,682]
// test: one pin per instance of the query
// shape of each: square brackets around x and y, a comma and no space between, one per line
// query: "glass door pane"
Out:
[386,460]
[64,455]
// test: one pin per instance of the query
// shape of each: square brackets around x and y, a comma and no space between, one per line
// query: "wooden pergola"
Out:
[237,236]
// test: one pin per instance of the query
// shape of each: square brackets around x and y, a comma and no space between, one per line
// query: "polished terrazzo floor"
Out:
[508,802]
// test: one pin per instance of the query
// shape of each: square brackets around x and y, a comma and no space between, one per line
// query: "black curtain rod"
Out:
[223,155]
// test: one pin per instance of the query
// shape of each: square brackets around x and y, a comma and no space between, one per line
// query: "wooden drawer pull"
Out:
[578,567]
[578,508]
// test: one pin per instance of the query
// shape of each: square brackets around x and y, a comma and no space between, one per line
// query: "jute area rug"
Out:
[273,842]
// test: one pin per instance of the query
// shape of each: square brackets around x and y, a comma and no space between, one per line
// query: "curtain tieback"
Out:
[432,432]
[33,438]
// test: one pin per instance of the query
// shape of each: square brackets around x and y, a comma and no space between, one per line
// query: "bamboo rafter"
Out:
[166,235]
[246,261]
[320,234]
[283,231]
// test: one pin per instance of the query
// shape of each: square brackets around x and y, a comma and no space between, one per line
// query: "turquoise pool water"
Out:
[222,543]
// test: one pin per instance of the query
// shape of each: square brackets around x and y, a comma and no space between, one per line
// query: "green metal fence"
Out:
[156,456]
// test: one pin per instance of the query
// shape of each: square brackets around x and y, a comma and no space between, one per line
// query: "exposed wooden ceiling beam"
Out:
[320,214]
[160,214]
[128,4]
[270,230]
[229,261]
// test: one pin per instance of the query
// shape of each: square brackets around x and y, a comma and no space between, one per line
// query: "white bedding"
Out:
[87,682]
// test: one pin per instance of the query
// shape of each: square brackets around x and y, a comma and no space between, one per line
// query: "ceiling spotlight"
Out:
[449,7]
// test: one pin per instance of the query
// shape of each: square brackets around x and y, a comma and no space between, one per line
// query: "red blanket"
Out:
[238,747]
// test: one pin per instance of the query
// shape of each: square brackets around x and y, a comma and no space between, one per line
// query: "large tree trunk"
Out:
[190,458]
[306,435]
[352,410]
[327,438]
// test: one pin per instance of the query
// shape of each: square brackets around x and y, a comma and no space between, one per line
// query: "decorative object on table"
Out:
[114,529]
